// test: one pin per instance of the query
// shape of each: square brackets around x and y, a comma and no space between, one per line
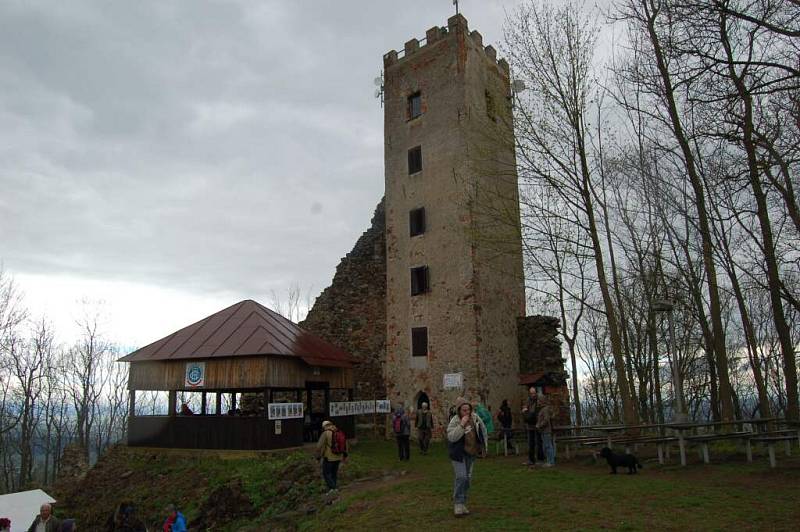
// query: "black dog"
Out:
[620,460]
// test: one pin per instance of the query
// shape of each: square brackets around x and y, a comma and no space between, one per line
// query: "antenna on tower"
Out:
[379,91]
[455,3]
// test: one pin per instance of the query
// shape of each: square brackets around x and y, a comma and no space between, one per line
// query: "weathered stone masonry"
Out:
[351,313]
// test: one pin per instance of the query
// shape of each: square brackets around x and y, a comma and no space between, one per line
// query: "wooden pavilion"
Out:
[245,351]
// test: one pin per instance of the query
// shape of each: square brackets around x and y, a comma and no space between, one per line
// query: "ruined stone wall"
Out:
[540,352]
[351,312]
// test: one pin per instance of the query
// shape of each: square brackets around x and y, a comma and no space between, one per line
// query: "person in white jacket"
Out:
[466,440]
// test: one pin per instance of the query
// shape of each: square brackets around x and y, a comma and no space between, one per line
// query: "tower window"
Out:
[419,341]
[419,280]
[416,221]
[415,160]
[414,105]
[490,112]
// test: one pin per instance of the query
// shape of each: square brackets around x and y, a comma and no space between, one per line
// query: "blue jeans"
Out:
[549,448]
[463,474]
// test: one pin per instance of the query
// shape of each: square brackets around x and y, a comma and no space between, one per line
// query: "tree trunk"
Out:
[718,331]
[768,243]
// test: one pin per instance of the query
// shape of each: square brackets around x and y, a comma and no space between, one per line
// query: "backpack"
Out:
[338,442]
[397,424]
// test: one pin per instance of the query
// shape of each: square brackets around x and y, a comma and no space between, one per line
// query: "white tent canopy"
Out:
[23,507]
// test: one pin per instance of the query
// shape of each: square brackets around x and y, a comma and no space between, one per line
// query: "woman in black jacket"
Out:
[506,421]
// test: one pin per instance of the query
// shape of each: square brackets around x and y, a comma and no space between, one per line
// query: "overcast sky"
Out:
[173,158]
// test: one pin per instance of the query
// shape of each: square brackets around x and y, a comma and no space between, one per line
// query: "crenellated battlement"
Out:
[456,25]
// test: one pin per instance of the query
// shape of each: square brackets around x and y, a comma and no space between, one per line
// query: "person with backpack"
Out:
[424,428]
[466,441]
[401,427]
[332,450]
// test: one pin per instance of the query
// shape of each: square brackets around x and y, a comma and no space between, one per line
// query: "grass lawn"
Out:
[577,495]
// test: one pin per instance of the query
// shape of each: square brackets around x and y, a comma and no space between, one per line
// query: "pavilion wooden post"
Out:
[219,403]
[203,403]
[233,402]
[172,402]
[374,416]
[131,403]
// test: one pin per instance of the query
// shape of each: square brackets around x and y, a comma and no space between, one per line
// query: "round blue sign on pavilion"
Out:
[194,374]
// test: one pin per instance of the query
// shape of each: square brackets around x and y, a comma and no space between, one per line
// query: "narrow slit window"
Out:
[490,111]
[419,341]
[419,280]
[416,221]
[414,105]
[415,160]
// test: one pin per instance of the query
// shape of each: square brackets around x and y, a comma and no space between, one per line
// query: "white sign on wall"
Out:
[383,406]
[285,410]
[278,426]
[357,408]
[195,374]
[453,381]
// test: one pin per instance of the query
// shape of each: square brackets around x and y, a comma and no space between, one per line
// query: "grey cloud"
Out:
[206,146]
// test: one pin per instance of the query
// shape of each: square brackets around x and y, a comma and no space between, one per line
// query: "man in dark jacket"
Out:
[530,414]
[44,522]
[424,428]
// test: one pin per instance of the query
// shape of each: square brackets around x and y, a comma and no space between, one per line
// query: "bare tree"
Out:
[112,410]
[552,50]
[294,304]
[30,359]
[652,21]
[86,381]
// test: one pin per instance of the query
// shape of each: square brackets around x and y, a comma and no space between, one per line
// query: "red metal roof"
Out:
[244,329]
[531,378]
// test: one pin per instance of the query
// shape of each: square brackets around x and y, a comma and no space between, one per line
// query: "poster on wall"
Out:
[195,374]
[285,410]
[358,408]
[453,381]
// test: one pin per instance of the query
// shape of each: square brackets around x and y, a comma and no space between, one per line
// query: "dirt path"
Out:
[376,483]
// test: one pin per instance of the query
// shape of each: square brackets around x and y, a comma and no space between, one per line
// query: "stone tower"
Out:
[454,277]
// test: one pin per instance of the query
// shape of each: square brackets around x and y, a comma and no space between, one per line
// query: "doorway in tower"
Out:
[422,397]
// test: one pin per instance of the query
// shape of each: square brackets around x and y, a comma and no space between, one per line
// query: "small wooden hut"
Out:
[287,376]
